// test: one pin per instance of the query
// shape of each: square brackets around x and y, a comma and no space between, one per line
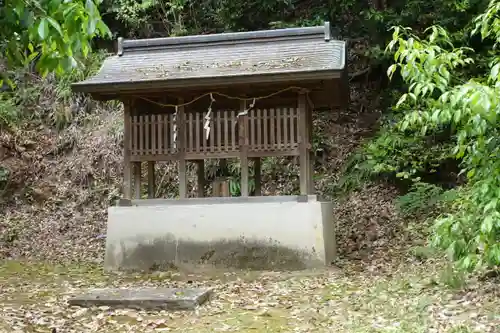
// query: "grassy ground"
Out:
[410,297]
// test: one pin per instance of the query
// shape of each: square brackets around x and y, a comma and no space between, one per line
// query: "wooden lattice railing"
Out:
[268,130]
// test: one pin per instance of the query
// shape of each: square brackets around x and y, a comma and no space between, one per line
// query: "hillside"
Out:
[64,170]
[430,131]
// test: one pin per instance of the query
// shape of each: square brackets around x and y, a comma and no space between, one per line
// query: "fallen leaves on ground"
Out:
[33,298]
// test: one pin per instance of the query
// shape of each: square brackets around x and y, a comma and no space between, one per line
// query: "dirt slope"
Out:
[62,181]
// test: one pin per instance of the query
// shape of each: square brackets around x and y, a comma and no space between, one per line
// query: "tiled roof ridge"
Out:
[125,45]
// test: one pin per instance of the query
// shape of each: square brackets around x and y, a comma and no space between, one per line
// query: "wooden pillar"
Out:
[243,143]
[151,180]
[257,176]
[303,145]
[127,137]
[310,172]
[201,178]
[137,179]
[181,139]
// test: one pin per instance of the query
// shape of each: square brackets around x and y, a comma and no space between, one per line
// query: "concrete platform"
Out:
[261,233]
[144,298]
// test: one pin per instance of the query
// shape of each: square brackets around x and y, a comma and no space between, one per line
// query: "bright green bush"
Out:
[443,94]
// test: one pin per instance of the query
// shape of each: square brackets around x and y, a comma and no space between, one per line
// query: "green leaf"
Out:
[43,28]
[55,25]
[487,225]
[494,72]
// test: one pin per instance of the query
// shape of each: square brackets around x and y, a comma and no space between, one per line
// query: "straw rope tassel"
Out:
[206,126]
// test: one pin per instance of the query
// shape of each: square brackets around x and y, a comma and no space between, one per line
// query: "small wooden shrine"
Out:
[244,95]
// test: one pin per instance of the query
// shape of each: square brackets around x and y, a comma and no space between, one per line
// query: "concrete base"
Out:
[144,299]
[262,233]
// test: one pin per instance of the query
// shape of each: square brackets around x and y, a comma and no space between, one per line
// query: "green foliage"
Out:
[145,18]
[395,154]
[421,199]
[9,111]
[49,100]
[442,94]
[55,33]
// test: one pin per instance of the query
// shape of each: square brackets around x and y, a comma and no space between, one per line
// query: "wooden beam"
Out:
[243,143]
[201,178]
[257,176]
[310,164]
[127,166]
[303,145]
[137,179]
[208,155]
[151,180]
[181,144]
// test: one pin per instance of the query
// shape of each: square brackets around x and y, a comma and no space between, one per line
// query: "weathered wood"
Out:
[257,176]
[190,129]
[147,136]
[127,166]
[243,143]
[151,180]
[310,171]
[220,187]
[279,135]
[140,147]
[200,173]
[216,155]
[181,140]
[265,136]
[137,179]
[324,93]
[303,142]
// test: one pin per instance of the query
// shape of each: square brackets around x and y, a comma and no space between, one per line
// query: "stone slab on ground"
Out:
[144,298]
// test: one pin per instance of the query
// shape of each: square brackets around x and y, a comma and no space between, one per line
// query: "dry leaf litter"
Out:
[62,182]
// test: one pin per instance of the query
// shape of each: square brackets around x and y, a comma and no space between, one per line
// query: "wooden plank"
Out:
[166,133]
[159,133]
[212,132]
[147,138]
[279,138]
[137,179]
[253,143]
[272,129]
[218,129]
[257,175]
[259,130]
[234,139]
[293,137]
[200,172]
[140,149]
[204,142]
[154,148]
[215,155]
[181,129]
[226,130]
[127,166]
[243,143]
[286,126]
[151,180]
[191,126]
[265,137]
[133,133]
[197,128]
[304,154]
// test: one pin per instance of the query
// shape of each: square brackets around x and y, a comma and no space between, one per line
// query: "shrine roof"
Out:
[279,55]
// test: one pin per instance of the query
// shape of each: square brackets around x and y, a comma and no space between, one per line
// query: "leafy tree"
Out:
[55,33]
[441,94]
